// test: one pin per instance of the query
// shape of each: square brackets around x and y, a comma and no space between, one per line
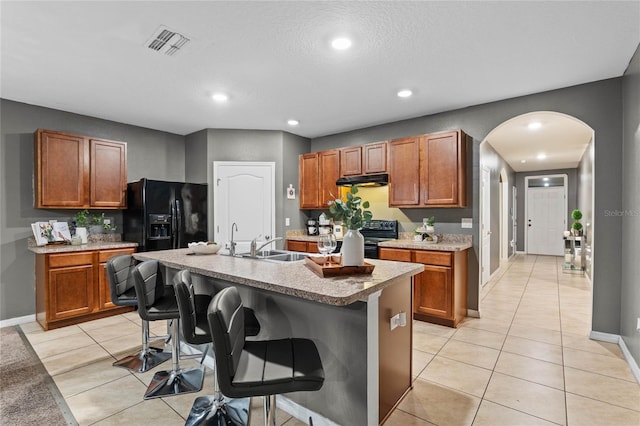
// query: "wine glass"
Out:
[333,244]
[324,245]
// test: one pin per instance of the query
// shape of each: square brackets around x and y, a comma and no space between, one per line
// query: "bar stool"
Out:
[216,409]
[121,287]
[264,368]
[158,302]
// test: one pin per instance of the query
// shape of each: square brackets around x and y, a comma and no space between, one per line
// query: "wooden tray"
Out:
[335,269]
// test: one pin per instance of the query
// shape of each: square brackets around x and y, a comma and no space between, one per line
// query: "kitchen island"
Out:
[367,364]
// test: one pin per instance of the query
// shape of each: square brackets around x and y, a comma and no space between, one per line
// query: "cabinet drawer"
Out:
[400,255]
[103,256]
[433,258]
[293,245]
[70,259]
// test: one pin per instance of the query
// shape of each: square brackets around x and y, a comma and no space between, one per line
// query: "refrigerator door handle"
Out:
[173,224]
[178,240]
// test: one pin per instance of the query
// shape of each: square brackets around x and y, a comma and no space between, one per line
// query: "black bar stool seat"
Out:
[259,368]
[158,302]
[123,293]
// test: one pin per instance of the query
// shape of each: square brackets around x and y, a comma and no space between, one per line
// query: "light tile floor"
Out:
[527,361]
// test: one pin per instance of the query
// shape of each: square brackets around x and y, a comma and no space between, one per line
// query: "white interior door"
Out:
[514,220]
[546,220]
[485,226]
[244,194]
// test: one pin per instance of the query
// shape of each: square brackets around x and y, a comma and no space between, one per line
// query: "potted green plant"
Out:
[576,227]
[352,211]
[81,220]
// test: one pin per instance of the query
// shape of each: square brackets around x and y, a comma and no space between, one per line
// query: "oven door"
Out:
[371,251]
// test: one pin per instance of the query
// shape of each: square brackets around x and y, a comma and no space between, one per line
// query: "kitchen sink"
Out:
[276,256]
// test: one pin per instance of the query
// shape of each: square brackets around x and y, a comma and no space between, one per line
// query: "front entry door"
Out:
[244,194]
[546,219]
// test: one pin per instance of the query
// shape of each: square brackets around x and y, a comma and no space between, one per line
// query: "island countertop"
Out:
[290,278]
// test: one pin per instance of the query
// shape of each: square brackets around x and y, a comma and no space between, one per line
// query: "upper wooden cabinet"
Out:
[74,171]
[428,170]
[363,160]
[318,173]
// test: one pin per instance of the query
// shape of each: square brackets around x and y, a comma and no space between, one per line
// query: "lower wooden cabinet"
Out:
[440,291]
[303,246]
[73,287]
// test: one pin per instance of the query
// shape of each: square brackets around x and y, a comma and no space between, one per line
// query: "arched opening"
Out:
[532,144]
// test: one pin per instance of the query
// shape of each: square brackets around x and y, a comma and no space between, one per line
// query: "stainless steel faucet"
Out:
[232,244]
[254,243]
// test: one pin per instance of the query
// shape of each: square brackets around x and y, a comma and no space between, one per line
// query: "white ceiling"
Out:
[275,62]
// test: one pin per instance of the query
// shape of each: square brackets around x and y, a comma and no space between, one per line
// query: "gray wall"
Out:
[630,292]
[490,158]
[572,198]
[599,105]
[585,200]
[150,153]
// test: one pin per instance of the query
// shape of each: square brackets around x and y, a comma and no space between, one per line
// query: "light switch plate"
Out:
[467,223]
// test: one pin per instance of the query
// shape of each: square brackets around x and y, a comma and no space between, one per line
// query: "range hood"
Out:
[364,180]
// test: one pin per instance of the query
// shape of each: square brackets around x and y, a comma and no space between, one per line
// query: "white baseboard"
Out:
[473,313]
[19,320]
[617,339]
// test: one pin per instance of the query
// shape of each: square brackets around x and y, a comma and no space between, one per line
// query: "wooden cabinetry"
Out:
[318,173]
[440,291]
[303,246]
[74,171]
[363,160]
[73,287]
[428,170]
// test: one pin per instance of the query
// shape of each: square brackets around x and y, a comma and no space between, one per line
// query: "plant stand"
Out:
[574,254]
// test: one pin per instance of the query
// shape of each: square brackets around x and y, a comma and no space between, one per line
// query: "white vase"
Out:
[352,248]
[82,233]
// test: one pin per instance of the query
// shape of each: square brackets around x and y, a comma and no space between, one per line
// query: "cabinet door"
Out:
[351,161]
[71,292]
[61,170]
[374,158]
[432,292]
[308,170]
[329,172]
[108,174]
[442,160]
[404,172]
[104,291]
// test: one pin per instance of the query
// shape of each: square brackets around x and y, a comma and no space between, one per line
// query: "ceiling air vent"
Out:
[167,41]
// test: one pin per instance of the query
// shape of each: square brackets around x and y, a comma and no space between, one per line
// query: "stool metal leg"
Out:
[269,410]
[147,358]
[217,410]
[175,381]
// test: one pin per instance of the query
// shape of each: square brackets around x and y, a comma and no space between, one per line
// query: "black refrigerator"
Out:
[165,215]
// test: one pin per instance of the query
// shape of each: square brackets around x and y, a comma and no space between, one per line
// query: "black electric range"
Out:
[375,231]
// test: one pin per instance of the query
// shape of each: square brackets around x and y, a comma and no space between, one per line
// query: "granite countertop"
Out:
[290,278]
[423,245]
[67,248]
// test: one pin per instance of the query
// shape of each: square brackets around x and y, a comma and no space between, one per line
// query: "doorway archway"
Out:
[515,147]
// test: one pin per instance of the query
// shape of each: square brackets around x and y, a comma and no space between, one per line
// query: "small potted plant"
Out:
[576,227]
[351,210]
[81,220]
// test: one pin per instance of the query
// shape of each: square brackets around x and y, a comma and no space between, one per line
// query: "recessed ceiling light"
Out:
[546,184]
[541,156]
[219,97]
[405,93]
[293,122]
[534,125]
[341,43]
[523,161]
[545,179]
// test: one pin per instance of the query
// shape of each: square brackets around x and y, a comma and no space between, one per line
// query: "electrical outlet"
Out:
[638,325]
[287,221]
[467,223]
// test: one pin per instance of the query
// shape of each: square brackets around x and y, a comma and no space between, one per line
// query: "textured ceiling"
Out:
[274,59]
